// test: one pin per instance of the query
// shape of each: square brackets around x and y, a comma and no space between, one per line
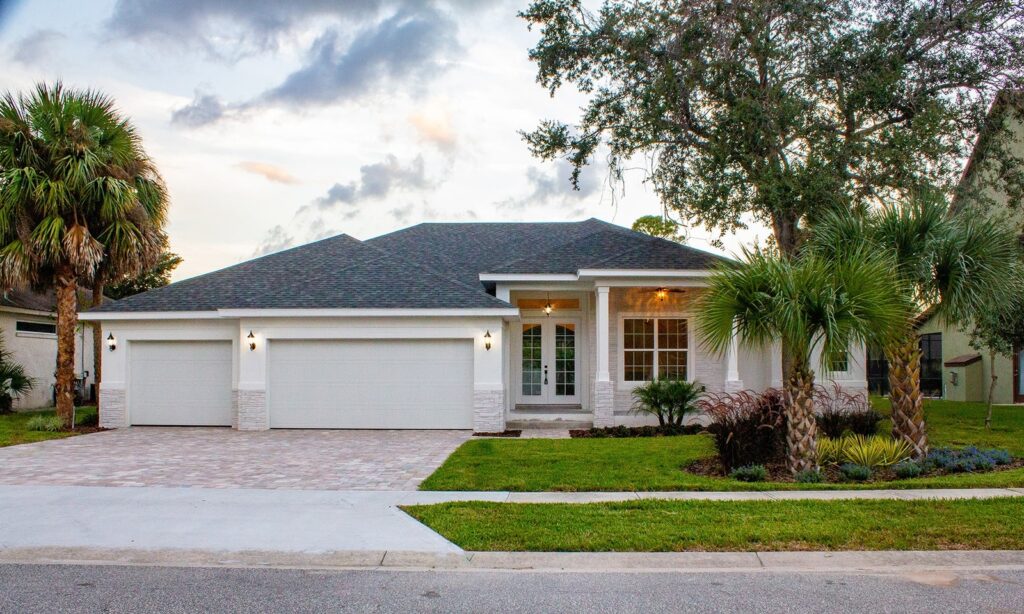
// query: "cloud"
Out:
[268,171]
[376,181]
[555,188]
[228,29]
[435,127]
[204,109]
[404,49]
[275,240]
[401,214]
[37,47]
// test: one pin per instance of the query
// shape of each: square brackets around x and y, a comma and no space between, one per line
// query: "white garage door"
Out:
[184,383]
[371,384]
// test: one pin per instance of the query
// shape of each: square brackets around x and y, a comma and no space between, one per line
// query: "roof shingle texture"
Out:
[428,266]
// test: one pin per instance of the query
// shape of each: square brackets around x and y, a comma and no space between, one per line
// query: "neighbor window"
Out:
[654,346]
[35,327]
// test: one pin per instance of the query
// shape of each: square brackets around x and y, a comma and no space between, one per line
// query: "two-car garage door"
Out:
[374,383]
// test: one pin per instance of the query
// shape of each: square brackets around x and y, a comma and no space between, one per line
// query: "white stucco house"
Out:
[28,320]
[437,326]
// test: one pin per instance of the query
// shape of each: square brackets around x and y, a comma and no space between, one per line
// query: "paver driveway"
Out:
[226,458]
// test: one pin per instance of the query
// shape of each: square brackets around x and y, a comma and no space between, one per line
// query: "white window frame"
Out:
[35,334]
[664,315]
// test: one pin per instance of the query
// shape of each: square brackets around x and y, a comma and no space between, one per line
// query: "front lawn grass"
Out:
[674,526]
[13,431]
[656,463]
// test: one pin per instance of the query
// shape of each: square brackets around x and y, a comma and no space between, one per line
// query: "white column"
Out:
[604,392]
[776,361]
[733,383]
[251,411]
[603,336]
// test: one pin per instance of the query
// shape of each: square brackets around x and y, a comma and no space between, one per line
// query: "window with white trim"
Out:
[36,328]
[839,362]
[654,346]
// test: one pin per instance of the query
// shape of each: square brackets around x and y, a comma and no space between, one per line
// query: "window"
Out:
[931,364]
[654,346]
[840,362]
[35,327]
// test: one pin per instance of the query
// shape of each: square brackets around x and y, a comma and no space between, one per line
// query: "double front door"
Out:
[549,358]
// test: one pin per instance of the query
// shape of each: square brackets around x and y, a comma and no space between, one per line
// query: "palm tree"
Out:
[947,265]
[77,194]
[809,303]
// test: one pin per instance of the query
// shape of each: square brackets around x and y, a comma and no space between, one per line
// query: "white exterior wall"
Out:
[37,353]
[249,373]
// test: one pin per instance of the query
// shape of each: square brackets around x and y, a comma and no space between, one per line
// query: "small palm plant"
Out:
[807,303]
[670,400]
[13,380]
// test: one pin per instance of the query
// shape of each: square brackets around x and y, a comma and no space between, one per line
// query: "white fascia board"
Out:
[644,273]
[528,277]
[29,312]
[104,316]
[496,312]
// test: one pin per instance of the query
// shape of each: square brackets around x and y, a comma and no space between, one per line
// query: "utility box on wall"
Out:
[963,375]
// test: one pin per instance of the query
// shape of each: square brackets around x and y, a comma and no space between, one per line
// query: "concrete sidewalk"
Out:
[284,525]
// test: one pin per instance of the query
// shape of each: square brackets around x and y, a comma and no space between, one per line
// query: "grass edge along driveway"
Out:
[737,526]
[656,463]
[13,431]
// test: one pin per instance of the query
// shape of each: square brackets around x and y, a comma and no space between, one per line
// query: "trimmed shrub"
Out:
[839,412]
[636,431]
[748,428]
[810,476]
[907,469]
[855,473]
[749,473]
[50,424]
[669,400]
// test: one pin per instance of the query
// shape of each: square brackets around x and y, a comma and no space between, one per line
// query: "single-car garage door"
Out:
[371,384]
[180,383]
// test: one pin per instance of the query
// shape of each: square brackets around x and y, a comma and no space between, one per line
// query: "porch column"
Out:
[733,383]
[604,409]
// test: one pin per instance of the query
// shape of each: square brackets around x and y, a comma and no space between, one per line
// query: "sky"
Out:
[278,123]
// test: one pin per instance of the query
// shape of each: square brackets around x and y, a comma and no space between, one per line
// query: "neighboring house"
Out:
[29,323]
[446,326]
[956,370]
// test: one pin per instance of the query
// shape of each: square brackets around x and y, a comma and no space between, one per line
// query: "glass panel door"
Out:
[532,361]
[565,359]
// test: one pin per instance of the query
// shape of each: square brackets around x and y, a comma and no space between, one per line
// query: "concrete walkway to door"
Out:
[225,458]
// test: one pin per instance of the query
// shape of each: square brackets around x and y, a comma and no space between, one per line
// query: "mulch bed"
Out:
[85,430]
[635,431]
[777,471]
[509,433]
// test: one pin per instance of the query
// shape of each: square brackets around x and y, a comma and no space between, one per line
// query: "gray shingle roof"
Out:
[336,273]
[428,266]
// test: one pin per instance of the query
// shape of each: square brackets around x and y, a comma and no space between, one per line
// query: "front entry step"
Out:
[548,423]
[549,409]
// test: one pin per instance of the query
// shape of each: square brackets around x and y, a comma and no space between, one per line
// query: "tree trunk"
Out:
[905,394]
[67,321]
[801,426]
[991,388]
[784,227]
[98,283]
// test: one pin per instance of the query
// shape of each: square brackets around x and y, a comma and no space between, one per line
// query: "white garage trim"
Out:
[371,383]
[180,383]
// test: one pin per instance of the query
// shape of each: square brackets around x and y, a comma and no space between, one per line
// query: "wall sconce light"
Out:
[487,340]
[111,342]
[252,341]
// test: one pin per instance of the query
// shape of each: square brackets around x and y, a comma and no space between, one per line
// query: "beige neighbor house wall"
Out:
[969,386]
[37,353]
[994,204]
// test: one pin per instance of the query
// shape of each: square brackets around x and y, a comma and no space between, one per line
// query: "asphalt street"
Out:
[105,588]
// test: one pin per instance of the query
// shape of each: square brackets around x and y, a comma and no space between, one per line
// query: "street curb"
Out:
[850,562]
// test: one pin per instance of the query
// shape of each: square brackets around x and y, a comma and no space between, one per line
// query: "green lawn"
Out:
[646,464]
[13,431]
[666,526]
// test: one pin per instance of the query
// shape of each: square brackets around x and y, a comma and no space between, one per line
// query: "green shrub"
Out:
[748,428]
[855,473]
[839,412]
[810,476]
[669,400]
[749,473]
[50,424]
[907,469]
